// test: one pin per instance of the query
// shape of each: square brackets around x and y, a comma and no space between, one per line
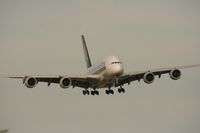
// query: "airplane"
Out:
[107,74]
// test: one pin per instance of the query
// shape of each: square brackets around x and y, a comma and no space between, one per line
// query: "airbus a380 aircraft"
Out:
[109,73]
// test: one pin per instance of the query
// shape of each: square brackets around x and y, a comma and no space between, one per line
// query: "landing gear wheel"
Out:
[107,92]
[96,92]
[93,93]
[87,92]
[111,91]
[84,92]
[119,90]
[123,90]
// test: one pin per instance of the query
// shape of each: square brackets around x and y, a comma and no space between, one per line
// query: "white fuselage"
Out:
[108,71]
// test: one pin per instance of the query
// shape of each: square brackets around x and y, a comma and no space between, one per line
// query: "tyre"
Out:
[84,92]
[111,91]
[107,92]
[97,93]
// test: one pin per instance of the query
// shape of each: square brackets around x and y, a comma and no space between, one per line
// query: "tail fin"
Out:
[86,54]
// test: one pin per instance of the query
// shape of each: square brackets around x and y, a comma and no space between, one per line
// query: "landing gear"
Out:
[86,92]
[109,91]
[94,92]
[121,90]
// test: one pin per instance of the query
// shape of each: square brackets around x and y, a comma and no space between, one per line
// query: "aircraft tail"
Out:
[86,54]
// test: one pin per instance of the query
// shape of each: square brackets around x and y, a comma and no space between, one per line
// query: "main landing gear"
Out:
[121,90]
[93,92]
[86,92]
[109,91]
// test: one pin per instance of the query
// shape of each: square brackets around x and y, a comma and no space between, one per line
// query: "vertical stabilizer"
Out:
[86,54]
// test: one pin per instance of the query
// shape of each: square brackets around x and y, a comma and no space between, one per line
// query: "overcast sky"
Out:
[43,37]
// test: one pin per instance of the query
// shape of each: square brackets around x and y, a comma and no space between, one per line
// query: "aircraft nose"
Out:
[117,70]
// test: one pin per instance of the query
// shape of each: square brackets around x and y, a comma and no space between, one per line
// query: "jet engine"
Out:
[65,82]
[30,82]
[175,74]
[149,77]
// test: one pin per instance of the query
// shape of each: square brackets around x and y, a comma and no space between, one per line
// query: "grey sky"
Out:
[43,37]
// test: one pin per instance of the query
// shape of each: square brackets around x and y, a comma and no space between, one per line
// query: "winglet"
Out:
[86,54]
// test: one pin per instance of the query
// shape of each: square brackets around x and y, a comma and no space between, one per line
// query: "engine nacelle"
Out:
[149,77]
[30,82]
[65,82]
[175,74]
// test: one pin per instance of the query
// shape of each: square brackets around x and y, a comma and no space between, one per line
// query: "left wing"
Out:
[64,81]
[149,75]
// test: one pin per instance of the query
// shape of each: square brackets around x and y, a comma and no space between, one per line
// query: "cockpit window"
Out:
[115,62]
